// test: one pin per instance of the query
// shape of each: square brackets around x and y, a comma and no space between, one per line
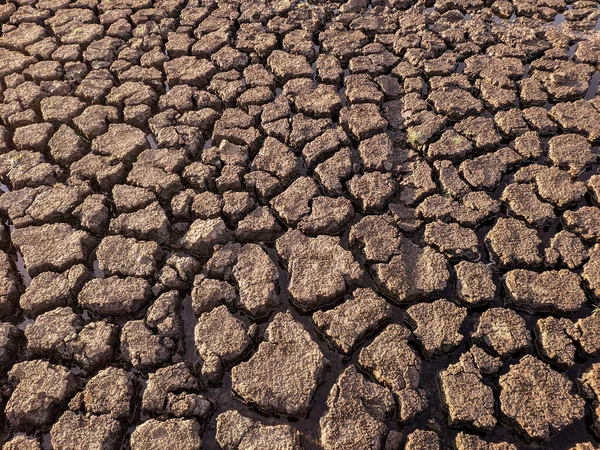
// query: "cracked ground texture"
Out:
[299,224]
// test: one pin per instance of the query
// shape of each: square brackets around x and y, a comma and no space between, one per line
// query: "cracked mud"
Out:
[299,224]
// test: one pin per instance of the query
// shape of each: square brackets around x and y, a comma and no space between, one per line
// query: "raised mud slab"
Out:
[299,224]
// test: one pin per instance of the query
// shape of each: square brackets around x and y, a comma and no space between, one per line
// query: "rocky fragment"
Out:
[111,392]
[203,235]
[513,243]
[589,384]
[172,391]
[570,152]
[221,339]
[328,216]
[9,343]
[183,434]
[347,324]
[502,331]
[587,335]
[467,399]
[114,296]
[377,237]
[436,325]
[394,363]
[142,348]
[452,240]
[539,400]
[53,333]
[50,290]
[150,224]
[584,222]
[308,259]
[95,345]
[128,256]
[235,431]
[54,247]
[474,283]
[22,442]
[352,400]
[524,203]
[257,278]
[74,431]
[423,439]
[41,390]
[414,272]
[570,249]
[466,441]
[554,339]
[550,291]
[299,364]
[208,293]
[10,286]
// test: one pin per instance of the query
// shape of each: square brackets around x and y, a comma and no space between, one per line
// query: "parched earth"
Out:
[299,224]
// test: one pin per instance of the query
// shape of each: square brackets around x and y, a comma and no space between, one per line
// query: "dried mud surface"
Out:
[288,224]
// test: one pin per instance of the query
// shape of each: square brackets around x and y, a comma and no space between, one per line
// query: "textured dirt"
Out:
[299,224]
